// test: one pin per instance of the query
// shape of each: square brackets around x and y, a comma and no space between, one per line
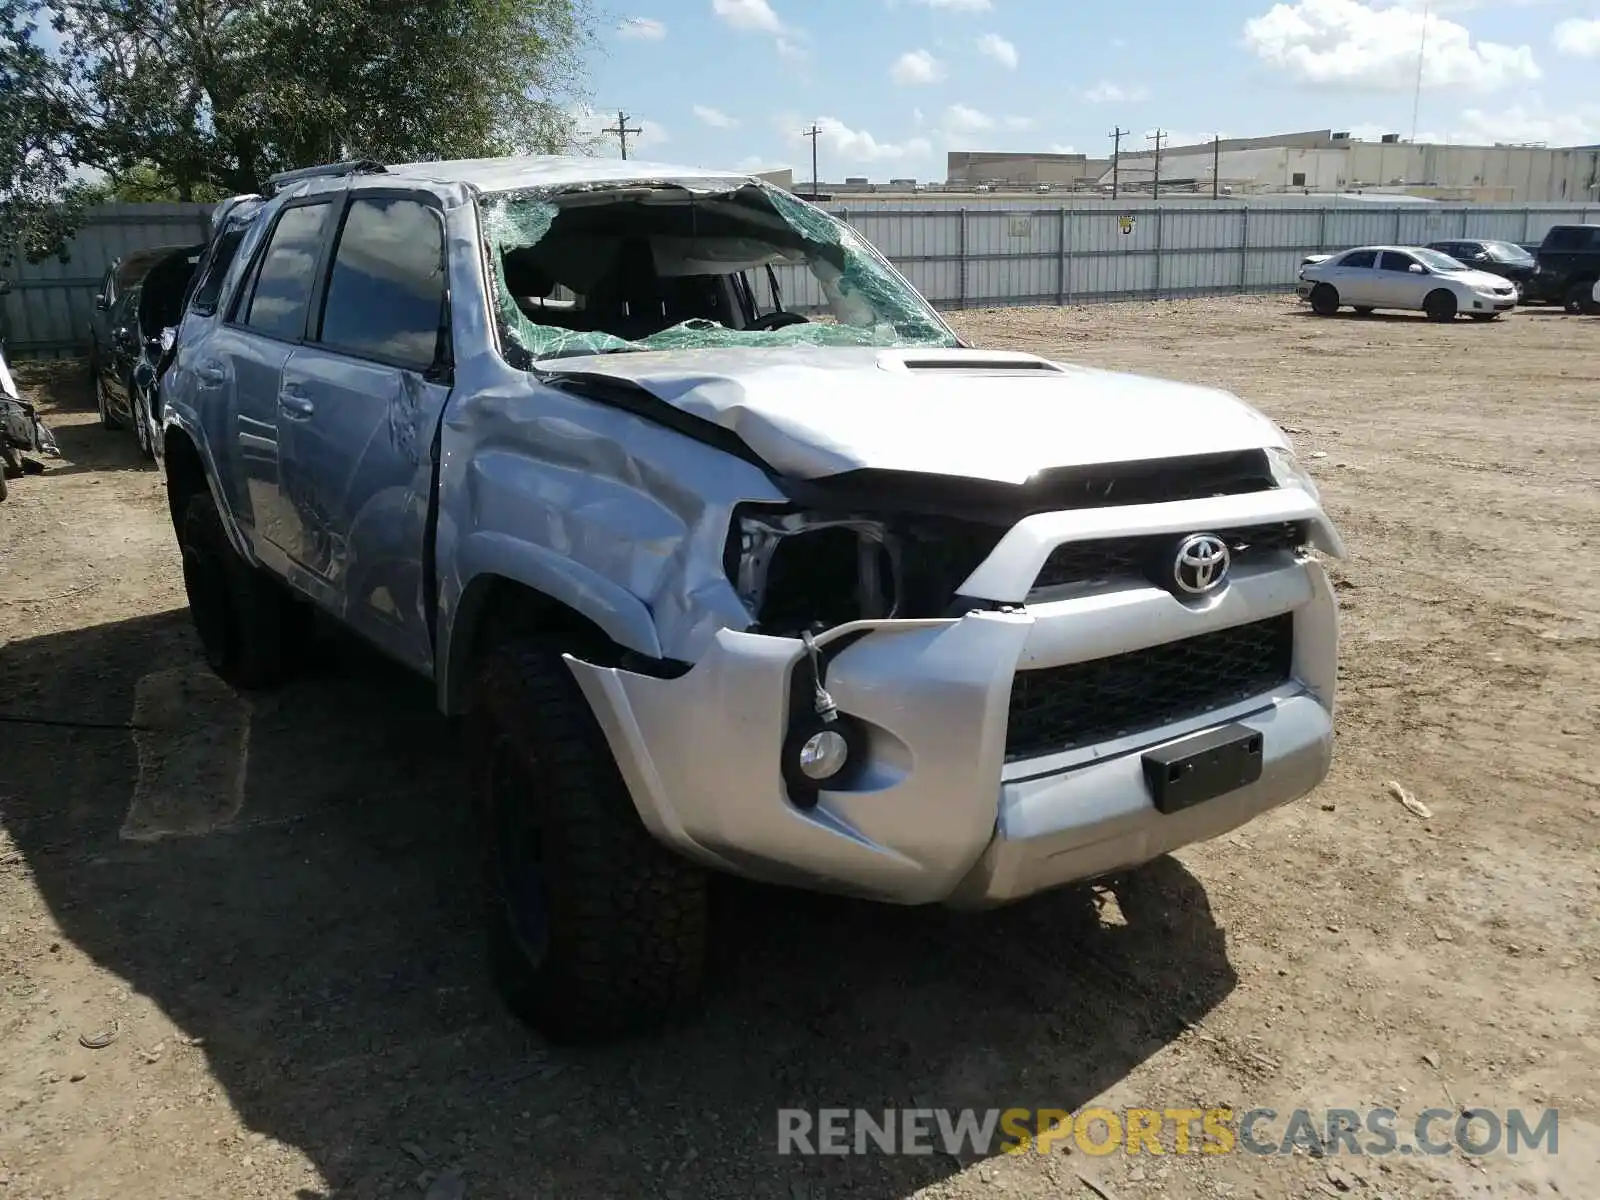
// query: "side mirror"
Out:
[1417,269]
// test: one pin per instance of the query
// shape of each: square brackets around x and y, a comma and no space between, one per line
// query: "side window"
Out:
[1392,261]
[277,304]
[1359,258]
[386,292]
[1569,237]
[208,287]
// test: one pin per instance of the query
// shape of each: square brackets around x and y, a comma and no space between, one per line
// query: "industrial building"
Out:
[1323,161]
[998,167]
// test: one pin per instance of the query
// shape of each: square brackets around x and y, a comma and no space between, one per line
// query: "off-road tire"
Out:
[595,929]
[1440,305]
[252,631]
[1325,300]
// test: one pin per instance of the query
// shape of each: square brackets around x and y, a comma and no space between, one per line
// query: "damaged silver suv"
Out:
[731,555]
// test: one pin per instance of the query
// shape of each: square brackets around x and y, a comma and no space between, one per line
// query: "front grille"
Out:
[1061,708]
[1152,556]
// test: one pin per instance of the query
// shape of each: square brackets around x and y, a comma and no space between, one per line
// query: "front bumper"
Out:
[939,815]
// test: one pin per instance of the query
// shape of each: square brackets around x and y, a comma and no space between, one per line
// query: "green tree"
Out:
[40,202]
[196,98]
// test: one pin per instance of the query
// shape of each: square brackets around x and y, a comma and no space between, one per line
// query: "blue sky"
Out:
[896,83]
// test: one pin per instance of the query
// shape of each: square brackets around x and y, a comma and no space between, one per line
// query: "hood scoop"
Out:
[967,362]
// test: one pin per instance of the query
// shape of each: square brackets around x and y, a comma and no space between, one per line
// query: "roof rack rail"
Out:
[360,166]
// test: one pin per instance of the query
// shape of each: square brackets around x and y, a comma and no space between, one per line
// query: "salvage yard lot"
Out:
[295,990]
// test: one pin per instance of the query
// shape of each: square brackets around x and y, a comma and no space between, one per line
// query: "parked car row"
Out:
[1475,277]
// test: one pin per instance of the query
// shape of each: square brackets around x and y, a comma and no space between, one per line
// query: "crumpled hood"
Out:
[1002,416]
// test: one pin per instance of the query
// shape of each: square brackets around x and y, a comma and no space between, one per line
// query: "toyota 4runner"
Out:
[731,555]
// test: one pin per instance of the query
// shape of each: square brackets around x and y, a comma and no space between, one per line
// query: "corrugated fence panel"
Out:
[957,254]
[48,309]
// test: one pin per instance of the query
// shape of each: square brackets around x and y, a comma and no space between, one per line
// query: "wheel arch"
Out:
[495,605]
[188,471]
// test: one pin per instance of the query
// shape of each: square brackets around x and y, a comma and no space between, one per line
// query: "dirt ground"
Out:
[266,905]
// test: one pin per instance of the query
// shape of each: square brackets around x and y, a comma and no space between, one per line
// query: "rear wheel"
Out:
[1440,305]
[1324,300]
[253,632]
[1580,298]
[596,929]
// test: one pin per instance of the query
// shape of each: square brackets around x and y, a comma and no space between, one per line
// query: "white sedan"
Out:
[1404,277]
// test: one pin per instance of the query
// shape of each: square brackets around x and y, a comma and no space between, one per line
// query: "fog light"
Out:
[823,755]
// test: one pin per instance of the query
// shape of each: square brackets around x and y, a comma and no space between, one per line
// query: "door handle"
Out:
[295,404]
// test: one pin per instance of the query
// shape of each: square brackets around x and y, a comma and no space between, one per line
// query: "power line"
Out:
[622,131]
[1155,179]
[1116,136]
[813,133]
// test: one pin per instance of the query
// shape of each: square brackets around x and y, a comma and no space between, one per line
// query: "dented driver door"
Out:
[358,408]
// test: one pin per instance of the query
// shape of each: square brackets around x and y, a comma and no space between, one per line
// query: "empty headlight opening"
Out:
[796,571]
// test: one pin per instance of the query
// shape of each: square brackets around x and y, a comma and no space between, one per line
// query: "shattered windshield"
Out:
[662,267]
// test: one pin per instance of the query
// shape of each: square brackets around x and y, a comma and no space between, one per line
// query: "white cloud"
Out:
[715,117]
[1109,93]
[1344,43]
[1019,122]
[839,141]
[916,67]
[959,119]
[917,118]
[1579,38]
[997,48]
[646,29]
[748,14]
[788,47]
[1058,148]
[959,5]
[1578,125]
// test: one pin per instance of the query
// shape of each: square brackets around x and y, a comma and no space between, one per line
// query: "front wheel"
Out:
[1440,305]
[107,419]
[596,930]
[1324,300]
[141,422]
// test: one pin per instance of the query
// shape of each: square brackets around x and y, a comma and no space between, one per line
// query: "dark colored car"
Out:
[1567,266]
[146,309]
[1505,259]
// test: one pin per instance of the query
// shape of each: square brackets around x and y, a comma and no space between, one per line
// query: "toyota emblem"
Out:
[1201,565]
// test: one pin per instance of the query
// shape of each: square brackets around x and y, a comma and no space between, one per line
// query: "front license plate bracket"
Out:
[1202,766]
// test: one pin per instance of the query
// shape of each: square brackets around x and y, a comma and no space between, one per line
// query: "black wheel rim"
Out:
[518,852]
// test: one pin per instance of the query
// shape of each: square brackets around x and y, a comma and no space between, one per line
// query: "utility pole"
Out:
[622,131]
[1116,136]
[813,133]
[1216,165]
[1155,179]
